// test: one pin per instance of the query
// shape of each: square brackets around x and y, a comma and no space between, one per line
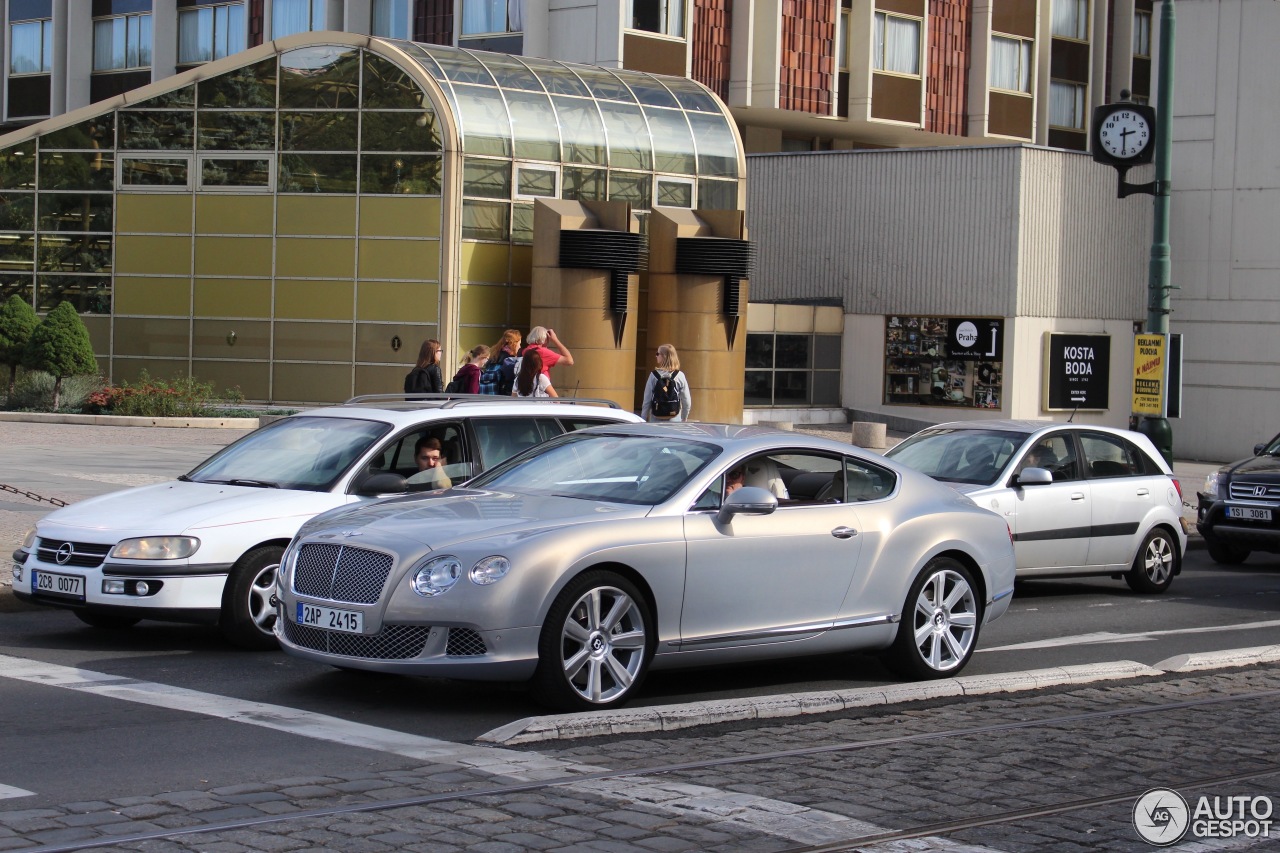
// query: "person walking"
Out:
[467,379]
[499,372]
[532,381]
[666,392]
[425,377]
[541,339]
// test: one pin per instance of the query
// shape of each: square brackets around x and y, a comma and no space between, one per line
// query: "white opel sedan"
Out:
[204,548]
[583,562]
[1081,500]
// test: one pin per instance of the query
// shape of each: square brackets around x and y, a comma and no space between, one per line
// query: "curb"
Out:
[668,718]
[129,421]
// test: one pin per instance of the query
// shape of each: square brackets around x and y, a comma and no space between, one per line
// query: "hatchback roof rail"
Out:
[449,401]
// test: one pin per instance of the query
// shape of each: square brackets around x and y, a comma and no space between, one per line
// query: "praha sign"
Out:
[1077,372]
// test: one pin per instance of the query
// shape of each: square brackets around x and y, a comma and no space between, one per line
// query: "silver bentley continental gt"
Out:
[583,562]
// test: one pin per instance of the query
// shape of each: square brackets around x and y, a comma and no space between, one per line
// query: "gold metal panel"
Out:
[313,258]
[233,256]
[100,336]
[522,264]
[380,379]
[376,342]
[760,317]
[157,255]
[896,98]
[313,341]
[171,296]
[486,262]
[402,301]
[655,54]
[163,338]
[315,300]
[483,304]
[828,319]
[1011,115]
[233,297]
[153,212]
[130,369]
[408,216]
[795,318]
[244,339]
[252,378]
[234,214]
[313,383]
[521,298]
[328,215]
[416,260]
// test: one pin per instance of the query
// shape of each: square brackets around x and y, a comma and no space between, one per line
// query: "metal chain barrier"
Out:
[31,495]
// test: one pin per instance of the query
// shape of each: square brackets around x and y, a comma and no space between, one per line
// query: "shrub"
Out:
[35,391]
[17,321]
[60,347]
[182,396]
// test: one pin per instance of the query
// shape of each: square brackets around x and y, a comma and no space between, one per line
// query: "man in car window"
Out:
[431,475]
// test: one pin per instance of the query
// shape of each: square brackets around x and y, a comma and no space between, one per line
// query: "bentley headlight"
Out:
[1211,484]
[156,548]
[436,576]
[490,570]
[29,539]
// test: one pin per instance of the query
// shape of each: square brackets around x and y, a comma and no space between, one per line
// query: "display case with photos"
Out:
[943,361]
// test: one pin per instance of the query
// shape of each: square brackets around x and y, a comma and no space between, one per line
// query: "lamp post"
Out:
[1159,279]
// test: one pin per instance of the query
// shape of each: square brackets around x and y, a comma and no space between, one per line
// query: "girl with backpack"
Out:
[666,393]
[498,374]
[425,377]
[531,381]
[467,379]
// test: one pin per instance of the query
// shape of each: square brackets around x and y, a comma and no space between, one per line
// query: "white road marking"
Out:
[1101,637]
[8,792]
[795,823]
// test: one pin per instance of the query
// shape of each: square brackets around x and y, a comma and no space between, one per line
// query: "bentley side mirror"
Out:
[748,500]
[1033,477]
[381,483]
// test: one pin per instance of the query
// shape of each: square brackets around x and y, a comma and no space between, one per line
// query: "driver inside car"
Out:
[430,461]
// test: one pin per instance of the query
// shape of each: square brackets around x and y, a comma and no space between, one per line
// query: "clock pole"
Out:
[1159,279]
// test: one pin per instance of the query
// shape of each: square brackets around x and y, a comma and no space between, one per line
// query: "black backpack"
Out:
[455,385]
[666,396]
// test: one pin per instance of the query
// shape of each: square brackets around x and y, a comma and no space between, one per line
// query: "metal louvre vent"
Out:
[394,642]
[1262,492]
[82,555]
[722,257]
[619,252]
[341,573]
[465,642]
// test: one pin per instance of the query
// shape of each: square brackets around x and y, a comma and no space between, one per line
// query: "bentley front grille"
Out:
[393,642]
[465,642]
[341,573]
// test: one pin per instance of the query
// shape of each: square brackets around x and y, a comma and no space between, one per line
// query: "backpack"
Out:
[510,367]
[491,377]
[455,385]
[666,396]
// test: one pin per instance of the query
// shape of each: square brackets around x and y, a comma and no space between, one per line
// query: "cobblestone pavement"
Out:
[856,775]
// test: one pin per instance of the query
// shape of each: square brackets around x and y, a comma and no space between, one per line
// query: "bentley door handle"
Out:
[844,533]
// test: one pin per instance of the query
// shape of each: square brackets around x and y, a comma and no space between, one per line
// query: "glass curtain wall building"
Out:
[295,219]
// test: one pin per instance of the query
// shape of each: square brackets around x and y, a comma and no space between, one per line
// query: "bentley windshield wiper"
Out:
[261,484]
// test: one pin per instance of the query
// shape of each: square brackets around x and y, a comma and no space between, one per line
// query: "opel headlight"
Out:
[1211,484]
[156,548]
[490,570]
[436,576]
[29,539]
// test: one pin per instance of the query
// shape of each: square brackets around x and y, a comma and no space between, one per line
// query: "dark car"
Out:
[1239,509]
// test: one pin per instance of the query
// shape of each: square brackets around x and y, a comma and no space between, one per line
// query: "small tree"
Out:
[60,347]
[17,321]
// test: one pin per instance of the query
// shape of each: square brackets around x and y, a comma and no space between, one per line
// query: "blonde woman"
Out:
[666,393]
[467,379]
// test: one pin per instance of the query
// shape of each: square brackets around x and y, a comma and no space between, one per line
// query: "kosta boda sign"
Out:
[1077,372]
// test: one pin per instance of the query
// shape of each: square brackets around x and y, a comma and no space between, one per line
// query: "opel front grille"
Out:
[341,573]
[82,555]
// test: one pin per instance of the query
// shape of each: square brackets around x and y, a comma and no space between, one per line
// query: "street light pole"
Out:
[1159,279]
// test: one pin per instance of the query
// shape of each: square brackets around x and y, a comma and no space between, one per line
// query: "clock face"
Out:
[1124,133]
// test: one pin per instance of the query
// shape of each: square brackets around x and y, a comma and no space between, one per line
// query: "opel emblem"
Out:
[63,555]
[1259,491]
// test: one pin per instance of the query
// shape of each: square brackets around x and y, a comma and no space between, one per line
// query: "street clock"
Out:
[1123,134]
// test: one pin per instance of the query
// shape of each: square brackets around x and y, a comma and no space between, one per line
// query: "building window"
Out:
[492,16]
[1011,64]
[1066,105]
[673,192]
[390,19]
[157,171]
[1071,19]
[1141,33]
[842,40]
[122,42]
[897,46]
[237,172]
[210,32]
[296,16]
[30,47]
[658,16]
[790,370]
[537,181]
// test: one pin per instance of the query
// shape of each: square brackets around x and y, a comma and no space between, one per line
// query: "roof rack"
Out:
[449,401]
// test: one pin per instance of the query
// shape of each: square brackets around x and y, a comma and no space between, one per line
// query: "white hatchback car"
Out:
[204,548]
[1080,500]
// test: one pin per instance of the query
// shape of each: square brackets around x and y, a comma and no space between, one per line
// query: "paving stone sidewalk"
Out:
[918,764]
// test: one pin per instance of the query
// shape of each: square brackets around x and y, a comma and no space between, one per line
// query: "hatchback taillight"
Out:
[1177,486]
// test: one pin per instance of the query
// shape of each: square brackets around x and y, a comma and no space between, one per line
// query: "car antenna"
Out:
[1073,413]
